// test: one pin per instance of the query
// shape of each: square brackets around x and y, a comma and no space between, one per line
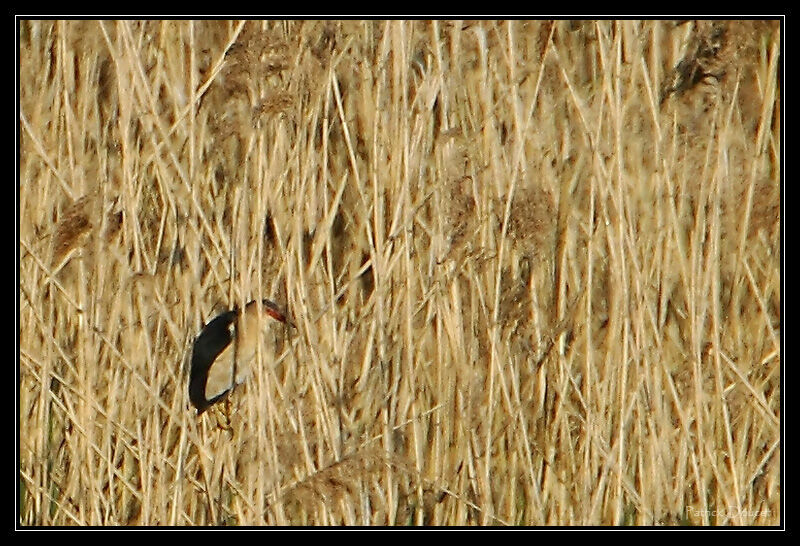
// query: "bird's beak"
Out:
[275,312]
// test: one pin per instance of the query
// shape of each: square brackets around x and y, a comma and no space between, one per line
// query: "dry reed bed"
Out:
[534,268]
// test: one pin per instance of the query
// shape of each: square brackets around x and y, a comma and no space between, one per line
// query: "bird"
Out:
[225,348]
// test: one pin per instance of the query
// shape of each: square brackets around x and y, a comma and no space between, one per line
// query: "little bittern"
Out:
[224,350]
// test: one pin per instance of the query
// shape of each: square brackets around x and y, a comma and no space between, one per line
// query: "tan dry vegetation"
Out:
[534,268]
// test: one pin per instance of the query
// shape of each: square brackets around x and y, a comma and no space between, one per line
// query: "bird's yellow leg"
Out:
[222,416]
